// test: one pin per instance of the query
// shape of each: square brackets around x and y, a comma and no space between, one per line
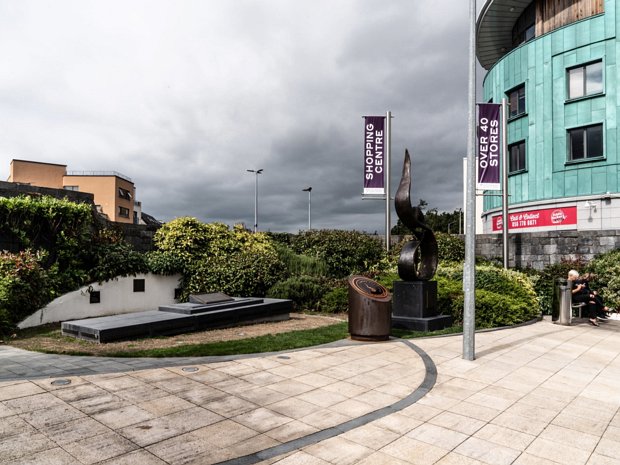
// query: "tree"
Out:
[439,222]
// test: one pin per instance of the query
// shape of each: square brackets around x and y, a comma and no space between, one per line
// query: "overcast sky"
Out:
[185,96]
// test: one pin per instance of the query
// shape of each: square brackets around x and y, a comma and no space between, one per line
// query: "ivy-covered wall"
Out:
[138,235]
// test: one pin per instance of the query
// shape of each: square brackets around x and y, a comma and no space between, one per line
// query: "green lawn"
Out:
[35,337]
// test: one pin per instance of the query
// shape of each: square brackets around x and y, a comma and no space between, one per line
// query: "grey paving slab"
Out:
[535,394]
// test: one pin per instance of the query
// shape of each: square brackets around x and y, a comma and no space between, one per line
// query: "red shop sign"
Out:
[565,216]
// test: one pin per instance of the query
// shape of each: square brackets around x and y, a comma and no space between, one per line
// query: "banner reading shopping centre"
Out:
[374,150]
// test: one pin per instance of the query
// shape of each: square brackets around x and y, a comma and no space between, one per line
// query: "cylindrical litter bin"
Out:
[564,300]
[370,310]
[555,303]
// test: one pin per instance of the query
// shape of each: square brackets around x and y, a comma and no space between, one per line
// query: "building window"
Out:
[524,29]
[124,193]
[123,212]
[72,188]
[585,80]
[516,157]
[585,142]
[516,99]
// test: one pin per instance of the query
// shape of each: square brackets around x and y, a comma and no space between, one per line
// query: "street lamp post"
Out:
[256,173]
[309,191]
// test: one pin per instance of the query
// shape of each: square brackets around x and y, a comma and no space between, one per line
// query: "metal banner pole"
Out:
[388,153]
[505,218]
[469,271]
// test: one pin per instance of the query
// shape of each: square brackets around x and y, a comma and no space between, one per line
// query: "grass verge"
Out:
[259,344]
[267,343]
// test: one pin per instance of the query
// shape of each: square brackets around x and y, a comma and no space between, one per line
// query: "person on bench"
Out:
[581,293]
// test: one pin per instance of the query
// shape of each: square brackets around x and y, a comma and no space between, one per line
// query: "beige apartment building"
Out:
[114,193]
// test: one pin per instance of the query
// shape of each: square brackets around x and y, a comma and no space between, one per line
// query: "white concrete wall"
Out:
[117,296]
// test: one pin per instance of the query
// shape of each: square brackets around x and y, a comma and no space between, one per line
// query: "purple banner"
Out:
[488,146]
[374,146]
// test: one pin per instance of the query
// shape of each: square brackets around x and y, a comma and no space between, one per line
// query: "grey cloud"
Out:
[184,97]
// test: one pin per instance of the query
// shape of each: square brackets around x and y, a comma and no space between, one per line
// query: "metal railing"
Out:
[99,173]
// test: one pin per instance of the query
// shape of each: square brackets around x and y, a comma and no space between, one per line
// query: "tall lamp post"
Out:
[256,173]
[309,191]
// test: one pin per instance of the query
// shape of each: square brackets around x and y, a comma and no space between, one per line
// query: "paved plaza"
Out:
[536,394]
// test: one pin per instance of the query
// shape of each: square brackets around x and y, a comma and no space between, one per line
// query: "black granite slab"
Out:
[163,323]
[426,324]
[212,298]
[189,308]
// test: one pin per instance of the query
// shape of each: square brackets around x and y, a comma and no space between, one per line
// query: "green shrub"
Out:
[335,301]
[493,310]
[23,287]
[113,257]
[451,247]
[214,258]
[164,263]
[503,297]
[188,238]
[59,227]
[344,252]
[387,280]
[244,274]
[44,222]
[280,238]
[304,291]
[606,268]
[450,297]
[297,264]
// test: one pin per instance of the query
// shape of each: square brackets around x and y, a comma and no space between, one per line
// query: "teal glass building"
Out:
[555,62]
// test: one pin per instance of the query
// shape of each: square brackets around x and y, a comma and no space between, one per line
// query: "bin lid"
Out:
[369,288]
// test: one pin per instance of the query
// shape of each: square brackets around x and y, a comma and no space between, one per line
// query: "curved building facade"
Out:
[555,61]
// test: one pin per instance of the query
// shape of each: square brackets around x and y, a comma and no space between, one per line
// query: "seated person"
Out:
[581,292]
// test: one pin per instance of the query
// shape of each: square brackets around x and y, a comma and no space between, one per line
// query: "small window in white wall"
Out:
[138,285]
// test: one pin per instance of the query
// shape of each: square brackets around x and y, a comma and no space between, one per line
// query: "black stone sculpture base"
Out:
[414,306]
[178,319]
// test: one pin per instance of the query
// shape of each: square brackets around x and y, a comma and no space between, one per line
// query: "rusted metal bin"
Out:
[370,310]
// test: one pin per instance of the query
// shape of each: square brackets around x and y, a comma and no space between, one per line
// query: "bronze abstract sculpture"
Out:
[419,257]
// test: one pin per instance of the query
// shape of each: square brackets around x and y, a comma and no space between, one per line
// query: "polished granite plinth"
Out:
[178,318]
